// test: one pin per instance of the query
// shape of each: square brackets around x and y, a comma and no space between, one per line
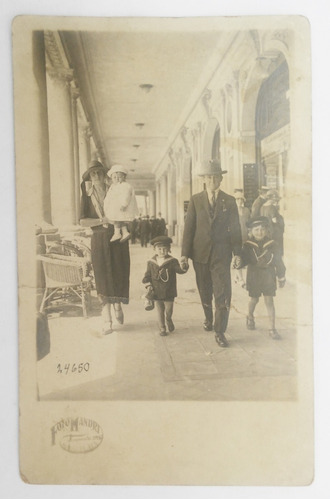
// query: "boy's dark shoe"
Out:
[274,334]
[250,324]
[170,325]
[163,332]
[221,340]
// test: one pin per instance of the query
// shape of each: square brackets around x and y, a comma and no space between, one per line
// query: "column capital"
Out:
[75,93]
[206,97]
[183,134]
[87,131]
[57,65]
[171,156]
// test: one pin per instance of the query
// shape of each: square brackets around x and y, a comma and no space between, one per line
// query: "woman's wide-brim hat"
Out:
[94,165]
[117,168]
[211,167]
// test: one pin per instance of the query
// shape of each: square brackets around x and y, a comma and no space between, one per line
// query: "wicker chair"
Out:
[65,278]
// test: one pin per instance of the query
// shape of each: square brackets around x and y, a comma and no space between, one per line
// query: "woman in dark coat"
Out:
[111,261]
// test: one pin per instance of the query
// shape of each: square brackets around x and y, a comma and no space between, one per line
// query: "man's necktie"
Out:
[213,201]
[212,205]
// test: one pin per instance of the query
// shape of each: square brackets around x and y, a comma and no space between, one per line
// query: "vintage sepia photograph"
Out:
[163,174]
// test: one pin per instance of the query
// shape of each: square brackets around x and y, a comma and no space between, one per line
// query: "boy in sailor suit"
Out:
[264,264]
[160,276]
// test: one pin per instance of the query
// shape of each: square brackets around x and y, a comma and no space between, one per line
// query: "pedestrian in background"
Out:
[144,231]
[153,227]
[161,225]
[133,230]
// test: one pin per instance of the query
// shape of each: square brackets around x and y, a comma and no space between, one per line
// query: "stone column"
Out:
[75,140]
[61,147]
[152,205]
[31,123]
[84,147]
[169,201]
[158,205]
[163,198]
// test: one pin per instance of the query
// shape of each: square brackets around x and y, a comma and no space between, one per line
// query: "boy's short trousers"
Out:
[261,282]
[258,293]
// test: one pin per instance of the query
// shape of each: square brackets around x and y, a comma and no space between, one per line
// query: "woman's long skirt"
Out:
[111,264]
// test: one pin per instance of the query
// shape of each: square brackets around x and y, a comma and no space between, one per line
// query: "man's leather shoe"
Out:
[221,340]
[207,326]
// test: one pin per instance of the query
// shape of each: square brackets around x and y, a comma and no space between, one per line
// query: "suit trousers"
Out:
[213,279]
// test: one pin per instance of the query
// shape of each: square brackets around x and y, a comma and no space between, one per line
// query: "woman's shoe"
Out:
[107,328]
[250,324]
[119,315]
[274,334]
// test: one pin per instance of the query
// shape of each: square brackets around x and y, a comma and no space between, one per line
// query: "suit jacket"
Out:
[204,233]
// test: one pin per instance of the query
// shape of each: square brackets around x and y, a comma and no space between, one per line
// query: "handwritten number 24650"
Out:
[73,368]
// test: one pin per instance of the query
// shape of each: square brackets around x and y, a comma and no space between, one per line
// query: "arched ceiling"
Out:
[111,66]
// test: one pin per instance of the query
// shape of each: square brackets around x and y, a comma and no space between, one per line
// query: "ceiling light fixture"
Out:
[136,146]
[146,87]
[134,159]
[139,125]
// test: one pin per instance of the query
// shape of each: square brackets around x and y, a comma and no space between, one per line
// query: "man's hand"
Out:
[184,264]
[281,282]
[237,261]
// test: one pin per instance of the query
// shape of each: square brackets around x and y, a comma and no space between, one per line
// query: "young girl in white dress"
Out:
[120,205]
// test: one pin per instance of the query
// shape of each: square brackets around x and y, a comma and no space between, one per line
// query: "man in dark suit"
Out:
[161,225]
[211,236]
[144,230]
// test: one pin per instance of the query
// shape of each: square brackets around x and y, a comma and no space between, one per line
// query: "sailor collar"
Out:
[166,261]
[255,244]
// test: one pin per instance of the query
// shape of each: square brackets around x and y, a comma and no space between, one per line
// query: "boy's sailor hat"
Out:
[258,221]
[161,240]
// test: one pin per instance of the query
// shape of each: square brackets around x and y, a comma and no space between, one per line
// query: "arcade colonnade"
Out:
[241,117]
[245,114]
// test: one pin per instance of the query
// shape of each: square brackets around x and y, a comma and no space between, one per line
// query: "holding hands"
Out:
[184,264]
[281,282]
[237,262]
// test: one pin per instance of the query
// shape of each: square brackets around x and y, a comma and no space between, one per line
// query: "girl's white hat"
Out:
[117,168]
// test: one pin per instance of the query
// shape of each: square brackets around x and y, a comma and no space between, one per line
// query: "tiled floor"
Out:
[134,362]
